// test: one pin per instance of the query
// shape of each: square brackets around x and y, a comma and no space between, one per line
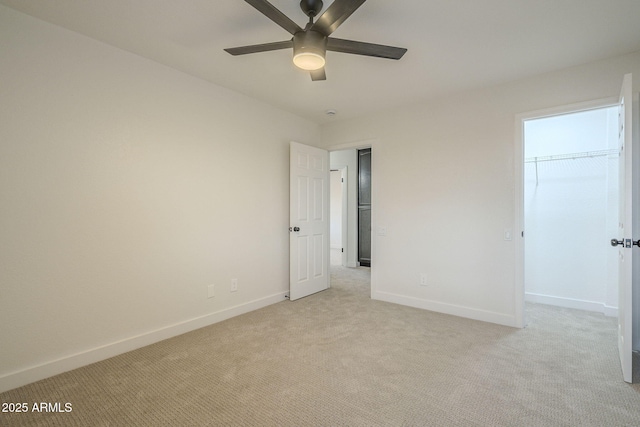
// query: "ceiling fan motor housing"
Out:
[311,8]
[309,43]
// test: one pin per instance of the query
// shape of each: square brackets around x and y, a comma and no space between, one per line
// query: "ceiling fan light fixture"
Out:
[308,61]
[309,50]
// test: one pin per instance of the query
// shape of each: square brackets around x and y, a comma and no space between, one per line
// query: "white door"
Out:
[624,239]
[308,221]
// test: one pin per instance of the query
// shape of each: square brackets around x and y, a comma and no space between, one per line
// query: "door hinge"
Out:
[342,249]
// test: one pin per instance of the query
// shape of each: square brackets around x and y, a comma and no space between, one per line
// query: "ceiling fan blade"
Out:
[318,74]
[335,15]
[275,15]
[367,49]
[243,50]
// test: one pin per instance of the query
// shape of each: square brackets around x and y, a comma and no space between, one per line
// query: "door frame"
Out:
[374,145]
[519,290]
[344,176]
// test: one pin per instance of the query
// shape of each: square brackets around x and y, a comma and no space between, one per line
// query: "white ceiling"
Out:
[452,45]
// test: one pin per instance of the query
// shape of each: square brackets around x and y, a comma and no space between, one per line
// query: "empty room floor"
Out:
[338,358]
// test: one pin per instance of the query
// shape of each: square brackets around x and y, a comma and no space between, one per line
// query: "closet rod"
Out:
[572,156]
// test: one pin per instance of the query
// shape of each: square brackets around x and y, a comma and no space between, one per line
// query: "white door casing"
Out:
[345,214]
[625,232]
[308,220]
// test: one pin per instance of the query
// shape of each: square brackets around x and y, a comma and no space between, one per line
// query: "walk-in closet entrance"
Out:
[571,209]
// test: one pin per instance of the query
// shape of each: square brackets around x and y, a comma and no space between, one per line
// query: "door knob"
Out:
[615,242]
[296,229]
[636,243]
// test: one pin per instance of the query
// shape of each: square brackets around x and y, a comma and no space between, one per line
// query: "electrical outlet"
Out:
[423,279]
[234,285]
[211,291]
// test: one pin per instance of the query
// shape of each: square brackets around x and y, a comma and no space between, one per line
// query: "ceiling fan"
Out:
[311,43]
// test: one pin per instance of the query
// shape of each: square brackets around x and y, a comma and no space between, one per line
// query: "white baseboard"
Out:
[35,373]
[597,307]
[455,310]
[610,311]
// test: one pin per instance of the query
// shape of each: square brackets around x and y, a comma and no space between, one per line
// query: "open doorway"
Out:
[344,216]
[570,177]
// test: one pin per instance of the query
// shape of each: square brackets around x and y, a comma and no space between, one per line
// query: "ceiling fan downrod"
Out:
[311,8]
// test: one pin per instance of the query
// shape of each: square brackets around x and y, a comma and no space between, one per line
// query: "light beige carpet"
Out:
[338,358]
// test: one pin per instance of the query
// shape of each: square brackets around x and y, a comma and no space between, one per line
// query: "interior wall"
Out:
[571,209]
[445,188]
[126,188]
